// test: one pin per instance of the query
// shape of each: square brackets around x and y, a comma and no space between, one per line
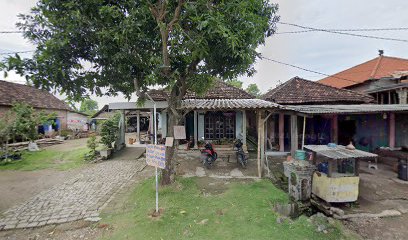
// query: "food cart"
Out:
[337,178]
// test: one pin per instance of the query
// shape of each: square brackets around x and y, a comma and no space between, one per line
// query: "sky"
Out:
[318,51]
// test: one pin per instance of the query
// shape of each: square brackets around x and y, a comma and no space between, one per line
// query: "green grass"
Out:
[48,159]
[244,211]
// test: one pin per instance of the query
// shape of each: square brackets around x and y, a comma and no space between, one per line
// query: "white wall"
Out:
[200,129]
[238,125]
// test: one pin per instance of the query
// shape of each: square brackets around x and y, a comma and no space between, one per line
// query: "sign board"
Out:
[179,132]
[169,141]
[156,156]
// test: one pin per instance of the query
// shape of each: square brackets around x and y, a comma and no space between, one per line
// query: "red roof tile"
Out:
[376,68]
[301,91]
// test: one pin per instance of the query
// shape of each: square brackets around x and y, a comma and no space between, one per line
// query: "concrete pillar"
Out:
[402,96]
[281,132]
[392,130]
[294,141]
[195,130]
[138,127]
[335,129]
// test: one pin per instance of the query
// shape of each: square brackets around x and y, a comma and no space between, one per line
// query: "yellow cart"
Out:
[337,178]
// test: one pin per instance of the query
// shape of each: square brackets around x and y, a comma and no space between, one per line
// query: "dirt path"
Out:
[379,191]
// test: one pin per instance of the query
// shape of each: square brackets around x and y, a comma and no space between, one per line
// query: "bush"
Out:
[110,130]
[91,144]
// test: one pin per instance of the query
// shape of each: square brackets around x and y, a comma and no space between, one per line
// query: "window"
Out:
[218,125]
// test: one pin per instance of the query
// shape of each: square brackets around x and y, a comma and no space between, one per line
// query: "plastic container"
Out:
[402,171]
[300,155]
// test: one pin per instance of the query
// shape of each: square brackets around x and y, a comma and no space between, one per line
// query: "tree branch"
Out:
[176,16]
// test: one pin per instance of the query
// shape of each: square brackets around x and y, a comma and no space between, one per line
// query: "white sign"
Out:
[169,141]
[156,156]
[179,132]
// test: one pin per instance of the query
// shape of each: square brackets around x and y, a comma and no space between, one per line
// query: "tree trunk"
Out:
[170,170]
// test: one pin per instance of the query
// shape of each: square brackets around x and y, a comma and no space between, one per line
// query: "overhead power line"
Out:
[11,53]
[3,32]
[350,30]
[307,70]
[343,33]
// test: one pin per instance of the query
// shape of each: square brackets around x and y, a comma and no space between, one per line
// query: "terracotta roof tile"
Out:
[220,90]
[11,93]
[301,91]
[376,68]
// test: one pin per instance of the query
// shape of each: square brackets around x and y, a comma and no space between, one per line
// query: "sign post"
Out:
[156,154]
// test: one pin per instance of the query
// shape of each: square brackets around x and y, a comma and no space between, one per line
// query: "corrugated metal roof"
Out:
[339,152]
[227,104]
[363,108]
[389,87]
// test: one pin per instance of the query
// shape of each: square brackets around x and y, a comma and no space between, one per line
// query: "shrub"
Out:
[110,130]
[91,144]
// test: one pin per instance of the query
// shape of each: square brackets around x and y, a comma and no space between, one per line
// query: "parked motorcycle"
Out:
[208,155]
[242,159]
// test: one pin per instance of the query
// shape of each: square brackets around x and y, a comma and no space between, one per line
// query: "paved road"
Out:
[81,197]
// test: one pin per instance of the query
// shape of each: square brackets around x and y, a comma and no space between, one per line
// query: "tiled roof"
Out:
[11,93]
[376,68]
[220,90]
[211,104]
[301,91]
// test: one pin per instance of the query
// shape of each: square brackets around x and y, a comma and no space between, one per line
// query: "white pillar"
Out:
[195,130]
[244,130]
[294,134]
[138,127]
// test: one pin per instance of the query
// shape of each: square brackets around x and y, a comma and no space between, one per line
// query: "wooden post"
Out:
[335,129]
[138,127]
[260,142]
[392,131]
[281,132]
[294,141]
[195,130]
[304,132]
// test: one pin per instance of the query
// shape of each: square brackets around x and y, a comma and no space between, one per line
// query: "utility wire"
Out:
[350,30]
[11,53]
[343,33]
[1,32]
[307,70]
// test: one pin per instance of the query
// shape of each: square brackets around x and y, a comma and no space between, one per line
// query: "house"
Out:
[384,78]
[40,100]
[222,114]
[301,91]
[329,114]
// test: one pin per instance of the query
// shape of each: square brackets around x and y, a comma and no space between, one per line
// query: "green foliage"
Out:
[103,47]
[23,122]
[92,145]
[236,83]
[110,130]
[89,107]
[243,210]
[253,89]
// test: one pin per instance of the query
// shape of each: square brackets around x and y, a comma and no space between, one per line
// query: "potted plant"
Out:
[109,134]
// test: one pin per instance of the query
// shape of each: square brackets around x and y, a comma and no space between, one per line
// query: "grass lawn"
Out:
[242,211]
[48,159]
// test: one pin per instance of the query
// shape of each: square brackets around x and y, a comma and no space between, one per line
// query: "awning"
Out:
[350,109]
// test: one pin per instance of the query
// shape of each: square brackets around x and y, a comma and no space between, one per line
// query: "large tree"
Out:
[106,47]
